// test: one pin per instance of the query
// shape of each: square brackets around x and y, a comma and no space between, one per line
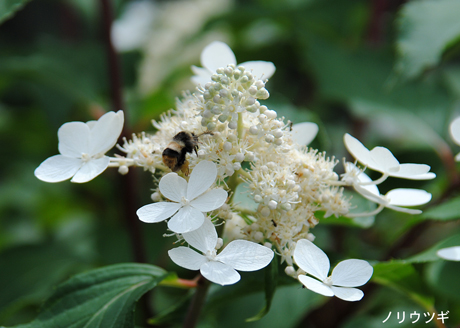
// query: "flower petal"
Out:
[347,293]
[210,200]
[384,160]
[219,273]
[157,212]
[202,75]
[203,176]
[404,210]
[449,253]
[414,172]
[311,259]
[187,258]
[105,133]
[217,54]
[91,169]
[173,187]
[245,255]
[351,273]
[304,133]
[74,139]
[260,69]
[408,197]
[358,150]
[315,285]
[204,238]
[186,220]
[454,130]
[58,168]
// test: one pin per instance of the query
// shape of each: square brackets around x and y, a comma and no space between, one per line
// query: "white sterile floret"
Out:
[189,201]
[382,160]
[82,148]
[218,54]
[346,275]
[449,253]
[396,198]
[454,130]
[241,255]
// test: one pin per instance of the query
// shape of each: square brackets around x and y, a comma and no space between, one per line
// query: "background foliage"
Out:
[386,71]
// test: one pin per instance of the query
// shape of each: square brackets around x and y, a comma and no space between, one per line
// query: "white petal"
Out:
[454,130]
[203,176]
[384,160]
[210,200]
[414,172]
[245,255]
[186,258]
[74,139]
[219,273]
[58,168]
[358,150]
[157,212]
[204,238]
[316,286]
[351,273]
[202,75]
[311,259]
[260,69]
[457,157]
[186,220]
[408,197]
[105,133]
[304,133]
[348,294]
[403,209]
[173,187]
[217,54]
[370,192]
[449,253]
[91,169]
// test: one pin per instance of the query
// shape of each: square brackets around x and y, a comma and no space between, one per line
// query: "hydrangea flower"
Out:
[82,148]
[219,268]
[382,160]
[449,253]
[189,200]
[218,54]
[346,275]
[454,130]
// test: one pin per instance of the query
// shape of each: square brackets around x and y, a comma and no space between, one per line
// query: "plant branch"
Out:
[197,303]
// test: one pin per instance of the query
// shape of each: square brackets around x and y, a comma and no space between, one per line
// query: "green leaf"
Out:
[29,272]
[426,29]
[9,7]
[446,211]
[430,254]
[271,281]
[104,297]
[402,277]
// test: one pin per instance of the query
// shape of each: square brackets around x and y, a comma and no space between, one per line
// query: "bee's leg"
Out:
[184,168]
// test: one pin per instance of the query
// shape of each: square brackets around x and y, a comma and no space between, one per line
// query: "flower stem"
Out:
[196,305]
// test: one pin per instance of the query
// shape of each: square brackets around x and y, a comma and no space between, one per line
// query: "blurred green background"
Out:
[385,71]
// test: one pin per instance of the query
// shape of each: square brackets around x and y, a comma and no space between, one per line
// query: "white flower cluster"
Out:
[225,138]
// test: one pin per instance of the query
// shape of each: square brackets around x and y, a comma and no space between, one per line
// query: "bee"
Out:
[175,154]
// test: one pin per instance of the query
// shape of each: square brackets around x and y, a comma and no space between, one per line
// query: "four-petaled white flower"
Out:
[454,130]
[218,54]
[346,275]
[189,200]
[382,160]
[82,147]
[449,253]
[219,268]
[392,199]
